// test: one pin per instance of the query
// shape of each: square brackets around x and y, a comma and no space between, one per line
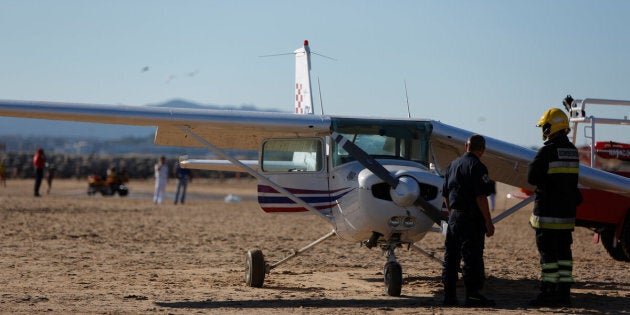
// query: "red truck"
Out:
[606,213]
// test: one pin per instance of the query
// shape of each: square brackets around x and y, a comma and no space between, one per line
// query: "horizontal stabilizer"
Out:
[217,165]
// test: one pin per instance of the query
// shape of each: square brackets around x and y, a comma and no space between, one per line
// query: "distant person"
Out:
[161,177]
[183,177]
[52,169]
[465,192]
[3,174]
[123,176]
[554,172]
[492,199]
[112,176]
[39,163]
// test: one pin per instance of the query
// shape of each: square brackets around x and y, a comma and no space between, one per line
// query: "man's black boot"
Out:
[475,299]
[450,297]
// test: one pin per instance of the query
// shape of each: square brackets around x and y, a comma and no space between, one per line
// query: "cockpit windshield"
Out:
[394,139]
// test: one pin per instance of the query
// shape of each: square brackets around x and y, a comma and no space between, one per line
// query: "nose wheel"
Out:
[392,274]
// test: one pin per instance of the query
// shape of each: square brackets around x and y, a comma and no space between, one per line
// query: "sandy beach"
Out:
[68,252]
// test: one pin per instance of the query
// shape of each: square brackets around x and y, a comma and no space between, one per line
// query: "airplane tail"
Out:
[303,96]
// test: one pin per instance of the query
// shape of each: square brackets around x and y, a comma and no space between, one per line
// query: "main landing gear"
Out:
[256,268]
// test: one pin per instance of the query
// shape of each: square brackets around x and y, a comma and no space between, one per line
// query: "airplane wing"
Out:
[229,129]
[507,162]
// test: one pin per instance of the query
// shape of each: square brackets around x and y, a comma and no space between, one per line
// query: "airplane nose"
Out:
[406,192]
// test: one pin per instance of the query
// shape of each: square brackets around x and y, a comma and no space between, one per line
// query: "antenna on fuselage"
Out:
[321,102]
[407,97]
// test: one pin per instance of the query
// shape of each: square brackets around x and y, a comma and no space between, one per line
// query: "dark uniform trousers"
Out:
[464,240]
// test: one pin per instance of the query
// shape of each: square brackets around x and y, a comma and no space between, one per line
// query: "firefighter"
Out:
[554,172]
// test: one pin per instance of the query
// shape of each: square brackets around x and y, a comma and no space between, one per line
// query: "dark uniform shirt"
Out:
[465,179]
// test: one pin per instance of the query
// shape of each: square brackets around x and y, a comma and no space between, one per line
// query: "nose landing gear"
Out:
[392,274]
[392,270]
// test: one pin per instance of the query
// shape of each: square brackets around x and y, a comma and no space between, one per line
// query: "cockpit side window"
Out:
[292,155]
[407,140]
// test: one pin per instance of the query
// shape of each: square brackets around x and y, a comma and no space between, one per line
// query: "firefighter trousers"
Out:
[556,260]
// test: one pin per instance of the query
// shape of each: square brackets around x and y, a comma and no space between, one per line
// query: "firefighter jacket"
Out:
[554,172]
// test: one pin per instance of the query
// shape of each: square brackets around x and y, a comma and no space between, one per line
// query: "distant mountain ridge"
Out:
[37,127]
[180,103]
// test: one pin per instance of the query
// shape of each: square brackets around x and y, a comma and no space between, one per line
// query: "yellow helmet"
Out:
[552,121]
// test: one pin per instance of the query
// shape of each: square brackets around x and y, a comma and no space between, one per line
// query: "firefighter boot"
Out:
[546,297]
[563,294]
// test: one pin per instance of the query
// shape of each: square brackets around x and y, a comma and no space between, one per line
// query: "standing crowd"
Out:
[161,175]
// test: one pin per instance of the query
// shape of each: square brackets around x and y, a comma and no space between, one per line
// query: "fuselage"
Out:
[356,201]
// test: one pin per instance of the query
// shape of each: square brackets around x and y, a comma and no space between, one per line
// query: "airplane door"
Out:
[298,165]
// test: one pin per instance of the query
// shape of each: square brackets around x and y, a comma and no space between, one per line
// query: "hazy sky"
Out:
[491,67]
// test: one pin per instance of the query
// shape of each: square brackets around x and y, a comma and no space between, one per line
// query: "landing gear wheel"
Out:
[617,253]
[255,268]
[625,236]
[392,272]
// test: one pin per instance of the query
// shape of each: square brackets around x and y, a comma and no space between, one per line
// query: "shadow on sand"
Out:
[510,294]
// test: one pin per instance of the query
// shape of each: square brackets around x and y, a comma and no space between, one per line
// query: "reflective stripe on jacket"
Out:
[551,223]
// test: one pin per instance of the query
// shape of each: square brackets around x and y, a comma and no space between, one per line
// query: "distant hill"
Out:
[179,103]
[36,127]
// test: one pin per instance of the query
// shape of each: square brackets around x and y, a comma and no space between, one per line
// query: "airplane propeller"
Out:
[405,190]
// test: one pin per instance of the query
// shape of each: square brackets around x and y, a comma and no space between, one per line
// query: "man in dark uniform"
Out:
[554,172]
[465,191]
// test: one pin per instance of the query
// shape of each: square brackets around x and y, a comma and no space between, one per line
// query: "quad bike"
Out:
[109,187]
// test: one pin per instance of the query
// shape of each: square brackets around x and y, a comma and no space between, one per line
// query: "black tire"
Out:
[255,268]
[392,272]
[122,191]
[625,236]
[616,252]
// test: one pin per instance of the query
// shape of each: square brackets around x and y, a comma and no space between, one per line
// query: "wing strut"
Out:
[515,208]
[254,173]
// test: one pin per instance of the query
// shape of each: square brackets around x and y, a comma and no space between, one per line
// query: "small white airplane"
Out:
[376,181]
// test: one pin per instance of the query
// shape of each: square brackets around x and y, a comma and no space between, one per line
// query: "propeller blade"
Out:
[365,160]
[431,211]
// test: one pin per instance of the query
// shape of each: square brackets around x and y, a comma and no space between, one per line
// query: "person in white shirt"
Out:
[161,177]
